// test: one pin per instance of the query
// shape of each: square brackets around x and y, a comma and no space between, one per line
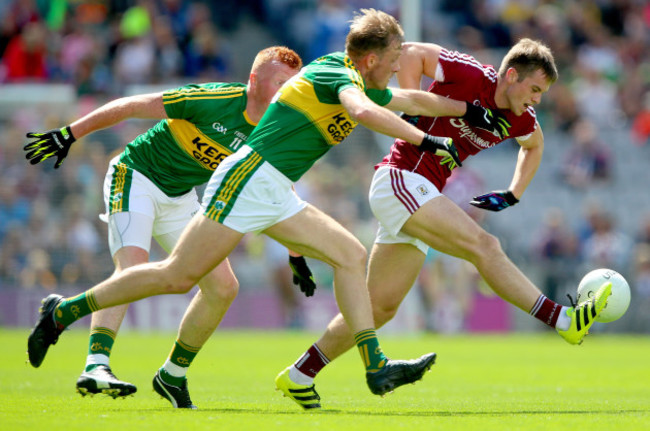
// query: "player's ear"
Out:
[252,80]
[369,60]
[512,75]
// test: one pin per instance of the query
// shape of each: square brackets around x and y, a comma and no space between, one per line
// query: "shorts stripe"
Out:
[401,192]
[231,185]
[120,189]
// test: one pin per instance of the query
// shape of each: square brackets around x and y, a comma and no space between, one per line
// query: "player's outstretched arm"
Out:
[57,142]
[149,106]
[382,120]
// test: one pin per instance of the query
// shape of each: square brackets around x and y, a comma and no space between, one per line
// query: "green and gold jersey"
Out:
[306,117]
[206,123]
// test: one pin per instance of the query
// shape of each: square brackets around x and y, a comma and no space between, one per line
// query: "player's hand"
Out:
[54,142]
[302,275]
[488,119]
[495,201]
[410,119]
[443,147]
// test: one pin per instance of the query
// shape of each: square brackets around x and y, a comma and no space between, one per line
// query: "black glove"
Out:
[495,201]
[302,275]
[443,147]
[491,120]
[410,119]
[55,142]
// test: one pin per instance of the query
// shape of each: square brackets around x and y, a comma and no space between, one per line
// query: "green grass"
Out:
[526,382]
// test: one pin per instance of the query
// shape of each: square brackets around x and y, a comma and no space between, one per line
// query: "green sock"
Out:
[371,354]
[100,343]
[180,358]
[73,309]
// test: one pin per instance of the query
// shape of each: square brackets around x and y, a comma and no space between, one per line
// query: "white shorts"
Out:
[136,209]
[395,194]
[247,194]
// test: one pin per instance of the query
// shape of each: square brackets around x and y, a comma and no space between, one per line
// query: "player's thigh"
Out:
[443,225]
[129,256]
[313,233]
[222,275]
[203,245]
[129,237]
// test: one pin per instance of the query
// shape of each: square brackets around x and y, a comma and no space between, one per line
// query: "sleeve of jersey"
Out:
[193,102]
[454,66]
[380,97]
[175,101]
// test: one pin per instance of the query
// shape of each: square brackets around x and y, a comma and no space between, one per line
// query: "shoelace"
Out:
[573,303]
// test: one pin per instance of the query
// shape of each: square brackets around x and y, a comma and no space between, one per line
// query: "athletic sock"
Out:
[307,366]
[72,309]
[175,367]
[100,345]
[549,312]
[371,354]
[564,320]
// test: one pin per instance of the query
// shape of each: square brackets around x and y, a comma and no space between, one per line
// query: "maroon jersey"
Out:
[461,77]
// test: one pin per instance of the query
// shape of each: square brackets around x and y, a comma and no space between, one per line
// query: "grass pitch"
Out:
[499,382]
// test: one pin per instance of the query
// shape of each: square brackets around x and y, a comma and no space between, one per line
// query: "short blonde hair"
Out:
[372,31]
[528,56]
[280,54]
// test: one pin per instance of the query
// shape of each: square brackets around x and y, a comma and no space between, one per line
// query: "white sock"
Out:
[299,377]
[563,320]
[96,359]
[174,369]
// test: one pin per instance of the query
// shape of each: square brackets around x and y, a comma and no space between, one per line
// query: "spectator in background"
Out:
[207,55]
[13,255]
[607,246]
[641,123]
[24,59]
[14,209]
[330,26]
[588,160]
[596,97]
[168,67]
[134,57]
[565,113]
[556,251]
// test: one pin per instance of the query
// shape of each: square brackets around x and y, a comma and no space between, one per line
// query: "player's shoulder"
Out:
[459,66]
[334,70]
[208,89]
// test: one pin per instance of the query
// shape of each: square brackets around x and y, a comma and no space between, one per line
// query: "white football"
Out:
[617,303]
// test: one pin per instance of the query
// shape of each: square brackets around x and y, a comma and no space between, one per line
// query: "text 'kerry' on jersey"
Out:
[306,118]
[207,123]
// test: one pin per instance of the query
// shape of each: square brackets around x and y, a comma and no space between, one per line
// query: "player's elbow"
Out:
[361,114]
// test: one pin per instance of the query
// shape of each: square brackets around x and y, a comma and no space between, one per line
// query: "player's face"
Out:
[527,92]
[270,78]
[386,65]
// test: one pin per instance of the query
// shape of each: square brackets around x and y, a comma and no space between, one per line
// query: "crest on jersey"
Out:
[219,127]
[422,189]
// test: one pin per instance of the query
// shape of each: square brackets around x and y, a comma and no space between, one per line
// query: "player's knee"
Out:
[487,246]
[174,281]
[383,313]
[355,254]
[223,289]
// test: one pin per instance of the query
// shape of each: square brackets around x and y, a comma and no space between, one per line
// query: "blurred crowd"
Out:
[51,237]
